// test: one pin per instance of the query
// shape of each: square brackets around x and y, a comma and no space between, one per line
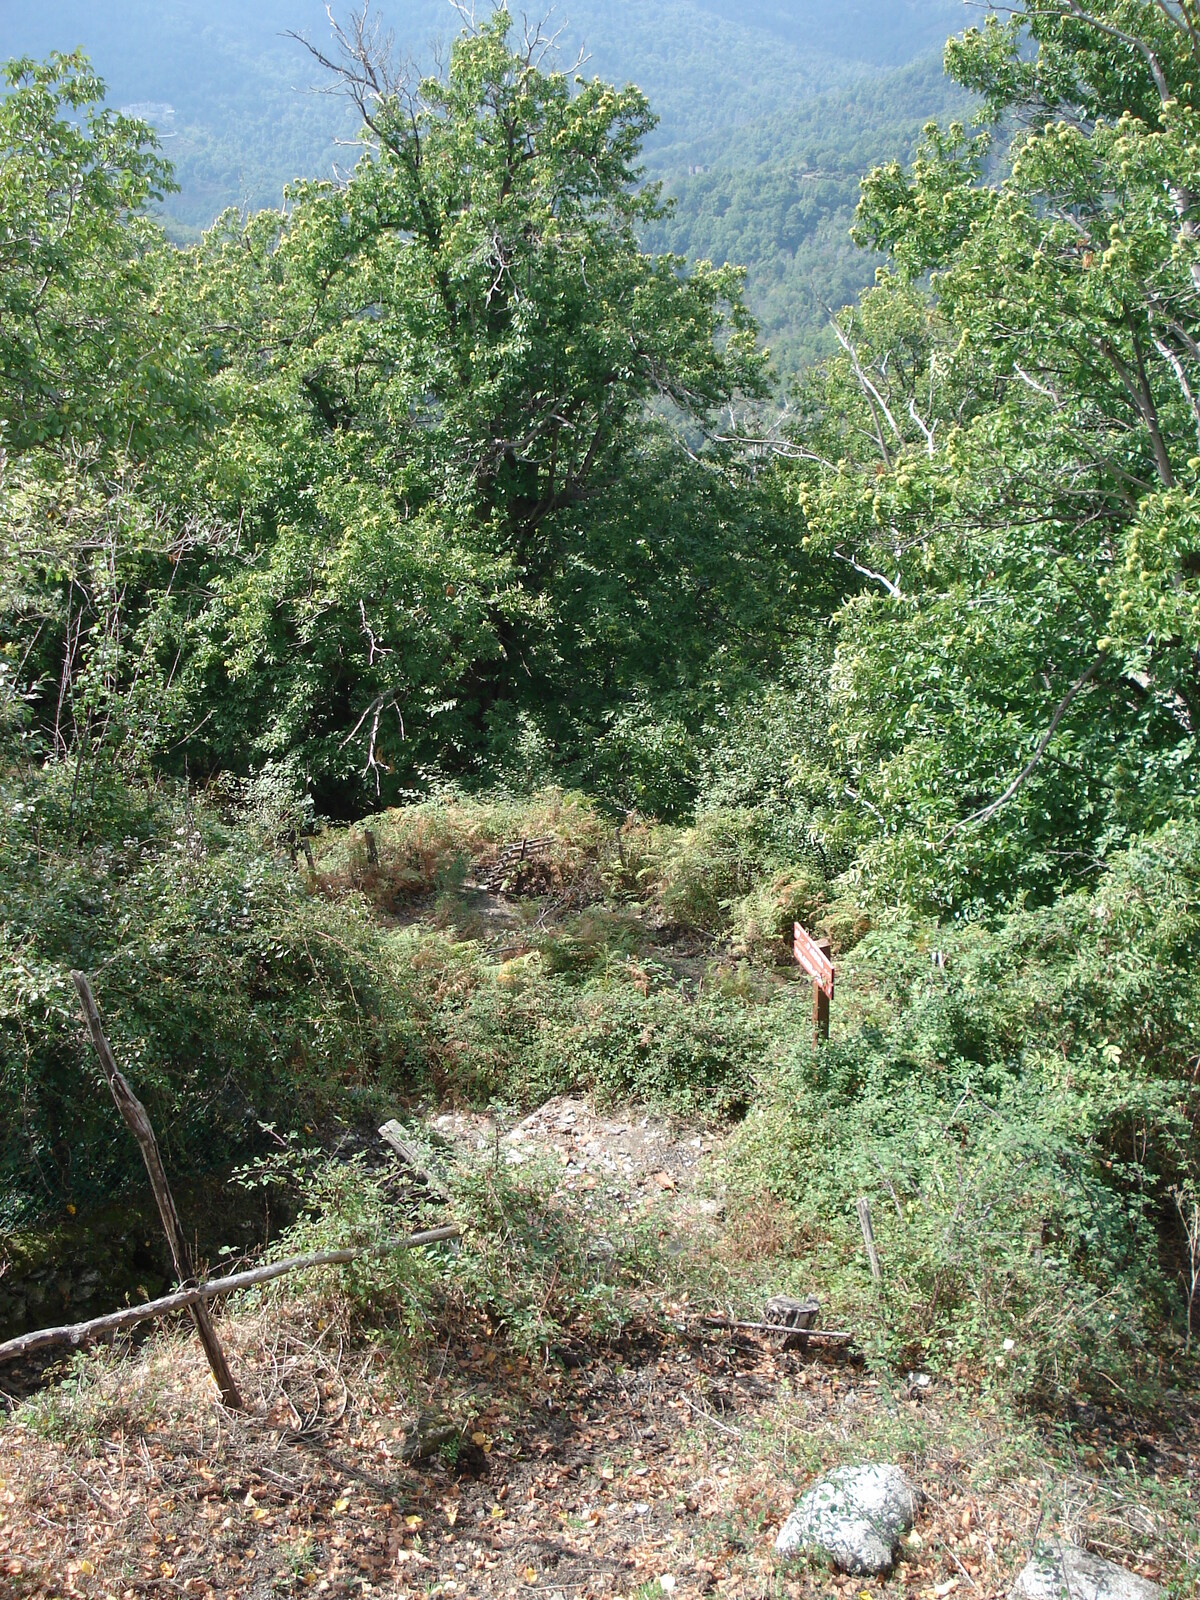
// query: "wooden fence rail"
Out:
[78,1333]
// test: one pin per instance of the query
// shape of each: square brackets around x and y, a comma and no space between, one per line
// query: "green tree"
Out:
[82,360]
[99,394]
[434,374]
[1017,684]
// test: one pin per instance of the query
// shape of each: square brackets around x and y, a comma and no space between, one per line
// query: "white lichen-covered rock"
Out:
[1059,1571]
[853,1518]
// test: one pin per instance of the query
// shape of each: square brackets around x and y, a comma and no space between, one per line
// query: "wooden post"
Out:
[868,1233]
[138,1123]
[821,1002]
[815,956]
[372,848]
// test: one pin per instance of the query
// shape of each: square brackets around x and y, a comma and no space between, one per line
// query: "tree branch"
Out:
[77,1333]
[1060,711]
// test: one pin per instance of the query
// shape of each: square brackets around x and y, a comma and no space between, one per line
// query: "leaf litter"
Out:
[661,1464]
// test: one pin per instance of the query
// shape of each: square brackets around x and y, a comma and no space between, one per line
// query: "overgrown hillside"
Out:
[436,675]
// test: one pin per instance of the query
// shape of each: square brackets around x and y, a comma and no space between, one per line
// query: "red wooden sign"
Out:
[813,959]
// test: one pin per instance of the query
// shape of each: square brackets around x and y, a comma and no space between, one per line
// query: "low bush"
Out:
[536,1271]
[230,994]
[1019,1118]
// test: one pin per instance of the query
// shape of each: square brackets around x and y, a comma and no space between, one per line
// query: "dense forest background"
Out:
[769,114]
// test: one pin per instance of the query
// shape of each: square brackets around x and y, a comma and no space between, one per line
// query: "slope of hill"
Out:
[769,112]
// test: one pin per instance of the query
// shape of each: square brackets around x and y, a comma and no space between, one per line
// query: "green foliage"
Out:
[531,1268]
[81,362]
[753,101]
[431,377]
[1019,1118]
[230,995]
[1003,465]
[440,475]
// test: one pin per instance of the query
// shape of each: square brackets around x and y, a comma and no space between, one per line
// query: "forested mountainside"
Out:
[755,98]
[442,665]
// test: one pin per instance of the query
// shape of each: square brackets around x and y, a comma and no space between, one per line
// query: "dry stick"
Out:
[868,1233]
[138,1123]
[187,1299]
[833,1336]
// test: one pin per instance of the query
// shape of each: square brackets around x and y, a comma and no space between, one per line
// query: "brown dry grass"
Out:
[672,1456]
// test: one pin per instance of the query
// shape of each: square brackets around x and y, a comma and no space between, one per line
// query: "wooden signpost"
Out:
[816,957]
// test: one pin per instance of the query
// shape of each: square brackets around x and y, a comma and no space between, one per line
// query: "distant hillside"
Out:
[770,110]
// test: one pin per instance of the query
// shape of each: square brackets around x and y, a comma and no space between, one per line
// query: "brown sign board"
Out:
[813,959]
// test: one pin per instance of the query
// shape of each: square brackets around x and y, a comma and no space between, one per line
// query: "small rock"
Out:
[1057,1571]
[854,1517]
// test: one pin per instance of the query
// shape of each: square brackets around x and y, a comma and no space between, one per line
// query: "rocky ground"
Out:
[662,1464]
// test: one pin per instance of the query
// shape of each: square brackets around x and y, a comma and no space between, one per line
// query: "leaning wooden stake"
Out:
[138,1123]
[868,1233]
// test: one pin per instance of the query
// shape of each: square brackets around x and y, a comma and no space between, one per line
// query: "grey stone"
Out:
[853,1517]
[1060,1571]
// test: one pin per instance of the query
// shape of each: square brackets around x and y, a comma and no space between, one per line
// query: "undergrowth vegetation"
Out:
[359,534]
[1017,1101]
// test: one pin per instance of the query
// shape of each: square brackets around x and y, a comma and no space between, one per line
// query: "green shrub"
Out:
[230,994]
[536,1270]
[762,921]
[1019,1118]
[706,868]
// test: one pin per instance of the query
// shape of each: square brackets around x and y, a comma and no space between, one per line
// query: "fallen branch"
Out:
[830,1336]
[183,1299]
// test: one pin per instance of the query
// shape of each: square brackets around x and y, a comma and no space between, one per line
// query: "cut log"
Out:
[792,1317]
[78,1333]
